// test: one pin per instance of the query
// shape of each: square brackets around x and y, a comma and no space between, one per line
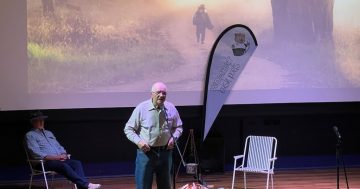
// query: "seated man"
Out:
[42,144]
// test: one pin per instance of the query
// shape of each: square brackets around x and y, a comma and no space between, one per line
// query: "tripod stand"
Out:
[193,167]
[339,158]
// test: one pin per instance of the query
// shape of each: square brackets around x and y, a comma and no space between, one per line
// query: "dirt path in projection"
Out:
[189,75]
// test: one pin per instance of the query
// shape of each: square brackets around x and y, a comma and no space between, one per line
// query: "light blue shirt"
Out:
[153,125]
[41,144]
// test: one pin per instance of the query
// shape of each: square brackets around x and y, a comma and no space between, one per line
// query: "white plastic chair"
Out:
[259,157]
[42,171]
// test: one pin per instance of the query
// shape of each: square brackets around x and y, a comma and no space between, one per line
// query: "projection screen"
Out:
[90,53]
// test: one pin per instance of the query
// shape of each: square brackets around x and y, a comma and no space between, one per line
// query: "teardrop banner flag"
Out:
[228,58]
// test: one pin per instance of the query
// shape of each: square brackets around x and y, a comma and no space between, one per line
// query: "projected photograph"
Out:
[93,46]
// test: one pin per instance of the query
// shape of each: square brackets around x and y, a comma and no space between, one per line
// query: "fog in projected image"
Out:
[91,46]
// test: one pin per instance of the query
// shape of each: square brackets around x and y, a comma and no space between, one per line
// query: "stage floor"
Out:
[294,179]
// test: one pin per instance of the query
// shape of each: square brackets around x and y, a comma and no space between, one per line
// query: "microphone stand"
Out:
[176,145]
[178,149]
[338,156]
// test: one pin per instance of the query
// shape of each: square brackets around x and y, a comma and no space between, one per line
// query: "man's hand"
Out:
[142,145]
[171,143]
[63,157]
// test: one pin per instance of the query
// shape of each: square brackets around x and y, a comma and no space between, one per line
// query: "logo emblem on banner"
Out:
[241,45]
[228,58]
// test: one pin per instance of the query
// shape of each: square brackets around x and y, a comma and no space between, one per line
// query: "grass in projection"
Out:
[71,49]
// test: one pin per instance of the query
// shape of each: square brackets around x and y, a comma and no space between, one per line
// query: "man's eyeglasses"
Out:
[159,92]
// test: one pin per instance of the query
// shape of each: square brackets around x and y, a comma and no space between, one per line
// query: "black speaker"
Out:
[212,155]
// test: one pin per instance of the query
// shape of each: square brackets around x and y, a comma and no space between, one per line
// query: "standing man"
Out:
[154,126]
[41,144]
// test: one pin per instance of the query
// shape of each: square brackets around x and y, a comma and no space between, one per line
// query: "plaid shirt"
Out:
[152,125]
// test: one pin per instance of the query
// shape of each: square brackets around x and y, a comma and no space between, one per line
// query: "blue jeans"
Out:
[71,169]
[158,162]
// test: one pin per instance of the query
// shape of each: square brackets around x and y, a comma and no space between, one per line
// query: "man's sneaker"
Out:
[94,186]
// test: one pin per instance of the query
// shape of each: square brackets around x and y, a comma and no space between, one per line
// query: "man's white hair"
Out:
[156,85]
